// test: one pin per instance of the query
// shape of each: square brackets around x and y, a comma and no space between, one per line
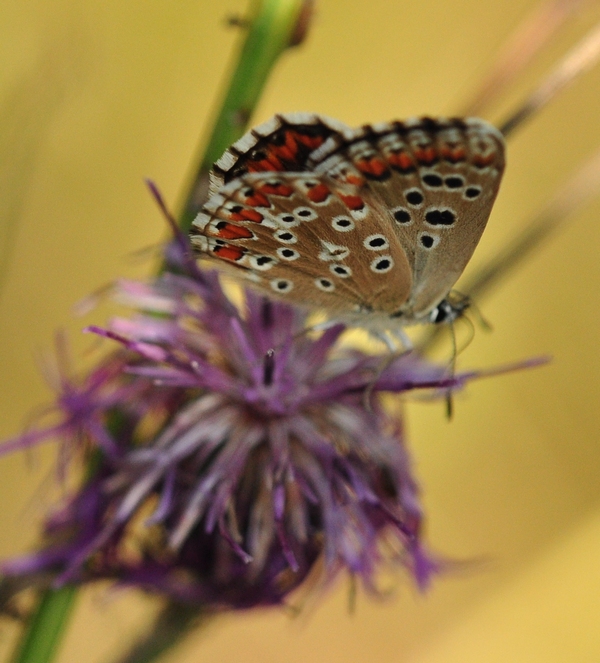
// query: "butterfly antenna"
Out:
[469,340]
[484,323]
[320,326]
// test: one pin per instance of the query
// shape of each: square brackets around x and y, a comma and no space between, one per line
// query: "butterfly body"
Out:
[369,224]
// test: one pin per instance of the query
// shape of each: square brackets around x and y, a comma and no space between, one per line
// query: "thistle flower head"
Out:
[234,451]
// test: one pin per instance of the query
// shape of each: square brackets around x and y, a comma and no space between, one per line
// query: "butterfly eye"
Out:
[438,315]
[382,264]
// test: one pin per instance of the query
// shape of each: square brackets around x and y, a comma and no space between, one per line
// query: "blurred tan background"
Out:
[95,96]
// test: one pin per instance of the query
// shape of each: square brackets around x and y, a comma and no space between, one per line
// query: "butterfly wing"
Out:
[306,239]
[282,144]
[379,219]
[438,180]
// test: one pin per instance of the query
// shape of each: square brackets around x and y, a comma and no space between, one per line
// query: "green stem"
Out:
[45,629]
[274,26]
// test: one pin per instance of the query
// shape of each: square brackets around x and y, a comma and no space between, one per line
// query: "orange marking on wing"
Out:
[274,161]
[453,154]
[352,202]
[231,231]
[289,150]
[247,215]
[481,161]
[402,161]
[357,180]
[425,155]
[277,189]
[319,193]
[285,154]
[373,166]
[257,200]
[270,163]
[312,142]
[228,252]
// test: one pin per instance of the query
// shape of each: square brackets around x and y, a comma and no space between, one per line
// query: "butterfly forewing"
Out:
[304,243]
[381,219]
[283,143]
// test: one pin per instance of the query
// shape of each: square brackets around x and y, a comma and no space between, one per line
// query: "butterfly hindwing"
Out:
[300,240]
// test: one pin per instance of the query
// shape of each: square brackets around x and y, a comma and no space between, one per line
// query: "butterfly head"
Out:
[450,309]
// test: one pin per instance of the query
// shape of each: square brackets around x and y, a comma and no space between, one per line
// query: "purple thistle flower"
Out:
[234,452]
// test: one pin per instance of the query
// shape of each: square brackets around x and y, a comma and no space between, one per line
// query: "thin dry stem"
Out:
[530,36]
[579,59]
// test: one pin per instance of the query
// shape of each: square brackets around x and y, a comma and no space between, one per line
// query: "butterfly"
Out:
[370,224]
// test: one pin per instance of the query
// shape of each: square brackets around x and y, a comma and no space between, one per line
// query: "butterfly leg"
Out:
[324,326]
[393,353]
[400,335]
[384,338]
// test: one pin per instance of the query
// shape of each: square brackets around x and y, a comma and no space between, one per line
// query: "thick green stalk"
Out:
[273,26]
[45,629]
